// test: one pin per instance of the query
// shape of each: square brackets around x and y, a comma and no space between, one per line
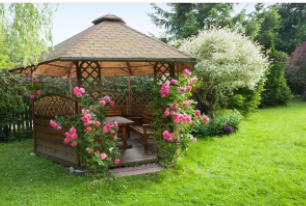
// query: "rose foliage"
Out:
[94,139]
[175,115]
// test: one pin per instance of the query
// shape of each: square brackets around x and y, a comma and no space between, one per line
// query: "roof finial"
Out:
[108,17]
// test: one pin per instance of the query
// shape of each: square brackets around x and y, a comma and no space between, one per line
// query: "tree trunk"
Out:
[212,111]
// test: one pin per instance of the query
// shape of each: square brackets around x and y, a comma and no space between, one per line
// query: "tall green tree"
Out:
[276,90]
[186,19]
[26,31]
[292,29]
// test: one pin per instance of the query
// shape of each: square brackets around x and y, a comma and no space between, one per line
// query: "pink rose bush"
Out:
[178,115]
[34,90]
[94,139]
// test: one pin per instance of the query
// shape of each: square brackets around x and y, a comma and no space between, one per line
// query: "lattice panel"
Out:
[120,99]
[142,98]
[55,105]
[90,78]
[163,72]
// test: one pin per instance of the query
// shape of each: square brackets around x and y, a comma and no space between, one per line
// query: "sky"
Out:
[72,18]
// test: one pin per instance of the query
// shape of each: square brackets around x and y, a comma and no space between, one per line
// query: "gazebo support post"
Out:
[33,68]
[70,82]
[130,98]
[130,112]
[78,76]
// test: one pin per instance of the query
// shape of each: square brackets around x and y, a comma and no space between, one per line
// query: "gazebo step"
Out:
[129,171]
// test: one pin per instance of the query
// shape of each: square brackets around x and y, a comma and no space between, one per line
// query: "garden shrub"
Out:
[243,99]
[276,91]
[217,125]
[226,61]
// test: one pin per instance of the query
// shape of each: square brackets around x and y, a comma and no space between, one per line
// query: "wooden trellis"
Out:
[89,76]
[120,99]
[55,105]
[142,98]
[163,72]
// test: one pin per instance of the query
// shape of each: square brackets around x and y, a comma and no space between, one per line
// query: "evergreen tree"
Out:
[276,90]
[292,29]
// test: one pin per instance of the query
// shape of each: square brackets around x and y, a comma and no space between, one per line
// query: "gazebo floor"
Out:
[138,154]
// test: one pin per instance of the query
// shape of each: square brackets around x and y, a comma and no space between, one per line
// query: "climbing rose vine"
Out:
[89,134]
[175,114]
[31,90]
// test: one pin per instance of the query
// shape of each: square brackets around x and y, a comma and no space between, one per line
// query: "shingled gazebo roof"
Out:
[116,47]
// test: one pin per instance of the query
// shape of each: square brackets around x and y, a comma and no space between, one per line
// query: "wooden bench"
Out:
[142,126]
[115,112]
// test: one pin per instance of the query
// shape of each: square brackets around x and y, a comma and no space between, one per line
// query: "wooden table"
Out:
[122,123]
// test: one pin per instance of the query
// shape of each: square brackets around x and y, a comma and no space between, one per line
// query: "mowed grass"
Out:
[263,164]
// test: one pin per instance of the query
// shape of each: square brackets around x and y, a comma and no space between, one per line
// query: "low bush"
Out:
[226,121]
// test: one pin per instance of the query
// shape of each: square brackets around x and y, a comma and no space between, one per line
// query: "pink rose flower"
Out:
[106,99]
[103,156]
[106,128]
[84,112]
[88,129]
[111,103]
[86,118]
[72,130]
[205,119]
[110,149]
[167,136]
[102,103]
[167,112]
[197,113]
[181,89]
[189,88]
[57,127]
[194,140]
[78,91]
[173,81]
[66,140]
[174,105]
[97,152]
[193,80]
[73,144]
[177,138]
[32,96]
[73,136]
[97,123]
[186,72]
[38,91]
[117,161]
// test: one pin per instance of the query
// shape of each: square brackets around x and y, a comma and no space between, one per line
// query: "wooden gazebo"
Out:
[108,48]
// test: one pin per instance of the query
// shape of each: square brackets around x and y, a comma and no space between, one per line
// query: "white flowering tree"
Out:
[226,60]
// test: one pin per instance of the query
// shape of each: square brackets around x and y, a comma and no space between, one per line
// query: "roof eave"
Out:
[119,59]
[21,67]
[113,59]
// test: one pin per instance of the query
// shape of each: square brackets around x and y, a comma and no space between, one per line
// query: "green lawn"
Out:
[263,164]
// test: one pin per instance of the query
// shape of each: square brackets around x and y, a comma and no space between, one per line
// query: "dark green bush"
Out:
[276,91]
[215,126]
